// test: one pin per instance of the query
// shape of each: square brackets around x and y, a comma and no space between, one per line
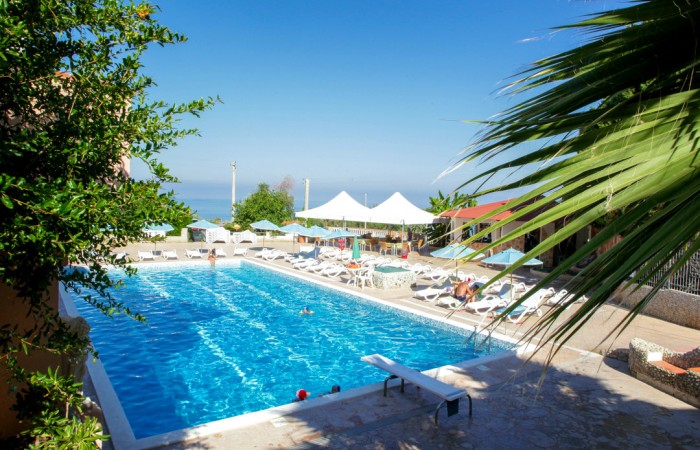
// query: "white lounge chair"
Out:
[558,298]
[318,268]
[430,294]
[530,305]
[437,275]
[324,250]
[167,254]
[263,252]
[433,293]
[564,297]
[427,268]
[120,256]
[146,255]
[345,255]
[334,270]
[492,302]
[274,254]
[220,253]
[332,253]
[364,278]
[240,251]
[304,263]
[193,254]
[417,268]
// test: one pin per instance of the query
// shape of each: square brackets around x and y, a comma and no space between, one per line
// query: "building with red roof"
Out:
[460,217]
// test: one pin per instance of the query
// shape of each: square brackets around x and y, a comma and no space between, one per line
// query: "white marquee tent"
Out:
[397,210]
[341,207]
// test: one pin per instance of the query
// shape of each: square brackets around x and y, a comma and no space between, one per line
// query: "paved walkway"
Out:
[582,400]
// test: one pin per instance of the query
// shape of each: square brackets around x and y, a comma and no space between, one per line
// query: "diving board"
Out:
[450,395]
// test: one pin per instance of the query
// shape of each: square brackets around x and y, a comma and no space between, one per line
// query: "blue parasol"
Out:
[339,234]
[294,228]
[203,225]
[355,249]
[456,252]
[508,258]
[160,227]
[265,225]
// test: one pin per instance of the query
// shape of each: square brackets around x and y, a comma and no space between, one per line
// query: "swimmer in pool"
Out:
[306,310]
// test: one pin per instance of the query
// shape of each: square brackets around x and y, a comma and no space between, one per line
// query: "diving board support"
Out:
[449,394]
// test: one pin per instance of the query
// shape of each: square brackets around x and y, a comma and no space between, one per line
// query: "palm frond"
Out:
[620,122]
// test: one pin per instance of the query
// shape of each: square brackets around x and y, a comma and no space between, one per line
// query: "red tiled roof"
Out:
[480,210]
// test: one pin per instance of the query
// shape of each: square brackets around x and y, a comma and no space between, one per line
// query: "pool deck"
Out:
[583,400]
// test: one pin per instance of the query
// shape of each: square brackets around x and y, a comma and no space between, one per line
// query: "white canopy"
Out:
[397,210]
[341,207]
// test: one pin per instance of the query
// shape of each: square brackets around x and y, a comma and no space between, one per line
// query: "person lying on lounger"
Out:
[463,290]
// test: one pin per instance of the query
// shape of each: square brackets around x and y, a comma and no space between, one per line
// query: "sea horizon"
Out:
[213,204]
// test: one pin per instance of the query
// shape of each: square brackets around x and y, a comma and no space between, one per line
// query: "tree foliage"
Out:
[437,232]
[265,203]
[618,119]
[74,107]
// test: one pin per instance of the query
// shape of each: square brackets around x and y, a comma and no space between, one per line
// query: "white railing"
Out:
[687,279]
[375,232]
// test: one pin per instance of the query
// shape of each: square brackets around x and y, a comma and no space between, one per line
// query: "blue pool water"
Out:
[229,340]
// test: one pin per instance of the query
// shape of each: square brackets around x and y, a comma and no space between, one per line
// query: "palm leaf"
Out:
[618,120]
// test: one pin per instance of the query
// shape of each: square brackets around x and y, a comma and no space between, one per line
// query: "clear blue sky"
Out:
[364,96]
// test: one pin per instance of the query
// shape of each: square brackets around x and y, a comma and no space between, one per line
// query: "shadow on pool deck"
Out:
[583,401]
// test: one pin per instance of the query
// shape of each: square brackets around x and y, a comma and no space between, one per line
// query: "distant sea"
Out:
[219,207]
[210,208]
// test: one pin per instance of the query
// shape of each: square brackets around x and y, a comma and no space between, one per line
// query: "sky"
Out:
[366,96]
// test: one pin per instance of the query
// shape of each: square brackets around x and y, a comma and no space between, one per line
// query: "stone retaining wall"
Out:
[676,380]
[668,304]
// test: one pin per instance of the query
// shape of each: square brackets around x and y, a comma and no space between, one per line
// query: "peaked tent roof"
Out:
[397,210]
[341,207]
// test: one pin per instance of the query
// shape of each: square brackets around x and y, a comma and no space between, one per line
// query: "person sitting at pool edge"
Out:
[306,310]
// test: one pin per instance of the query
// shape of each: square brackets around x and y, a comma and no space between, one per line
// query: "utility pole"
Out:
[365,207]
[233,190]
[306,194]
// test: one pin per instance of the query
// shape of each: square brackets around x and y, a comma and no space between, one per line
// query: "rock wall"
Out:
[646,363]
[668,304]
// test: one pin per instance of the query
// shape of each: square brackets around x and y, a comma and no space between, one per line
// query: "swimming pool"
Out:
[230,340]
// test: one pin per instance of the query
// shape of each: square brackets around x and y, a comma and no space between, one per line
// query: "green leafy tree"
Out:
[437,233]
[74,109]
[265,203]
[618,118]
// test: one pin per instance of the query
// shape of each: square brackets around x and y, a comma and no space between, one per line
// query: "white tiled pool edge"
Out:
[123,438]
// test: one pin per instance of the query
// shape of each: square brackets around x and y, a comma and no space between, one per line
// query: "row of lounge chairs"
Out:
[165,254]
[496,303]
[190,254]
[330,262]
